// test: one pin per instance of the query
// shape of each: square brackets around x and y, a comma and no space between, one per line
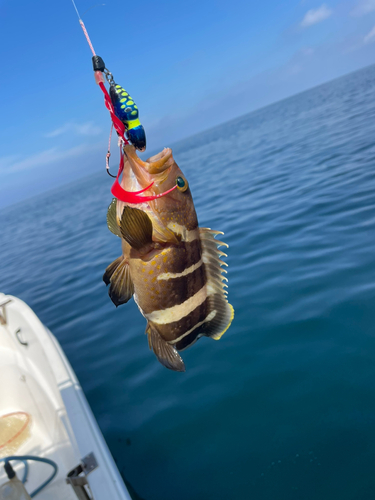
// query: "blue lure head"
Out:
[127,111]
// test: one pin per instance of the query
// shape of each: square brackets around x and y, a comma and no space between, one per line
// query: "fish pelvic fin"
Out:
[136,228]
[166,353]
[111,269]
[112,219]
[117,275]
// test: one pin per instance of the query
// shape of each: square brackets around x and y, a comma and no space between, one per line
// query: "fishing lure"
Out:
[124,106]
[127,111]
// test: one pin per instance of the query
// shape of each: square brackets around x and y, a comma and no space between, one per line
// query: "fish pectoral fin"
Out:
[136,228]
[117,275]
[163,234]
[112,219]
[166,354]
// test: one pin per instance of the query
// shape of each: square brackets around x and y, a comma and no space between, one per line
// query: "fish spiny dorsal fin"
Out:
[117,275]
[166,353]
[112,219]
[136,228]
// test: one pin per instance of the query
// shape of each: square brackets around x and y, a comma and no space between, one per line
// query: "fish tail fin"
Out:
[166,353]
[117,275]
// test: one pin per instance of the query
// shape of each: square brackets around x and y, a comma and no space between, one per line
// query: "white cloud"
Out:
[86,129]
[363,8]
[307,51]
[11,164]
[315,16]
[370,37]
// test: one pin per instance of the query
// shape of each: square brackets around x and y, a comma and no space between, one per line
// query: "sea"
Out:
[283,406]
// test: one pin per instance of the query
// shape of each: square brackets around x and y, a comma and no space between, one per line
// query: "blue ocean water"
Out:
[283,406]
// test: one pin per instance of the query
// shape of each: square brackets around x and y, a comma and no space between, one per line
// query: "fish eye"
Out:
[182,184]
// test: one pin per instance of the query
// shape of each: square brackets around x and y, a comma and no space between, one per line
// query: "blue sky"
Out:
[188,65]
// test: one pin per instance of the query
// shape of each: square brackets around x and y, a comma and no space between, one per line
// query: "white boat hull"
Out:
[37,379]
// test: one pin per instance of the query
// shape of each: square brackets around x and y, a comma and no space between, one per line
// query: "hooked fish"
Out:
[171,266]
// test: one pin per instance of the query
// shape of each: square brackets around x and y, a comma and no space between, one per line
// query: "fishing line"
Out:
[84,28]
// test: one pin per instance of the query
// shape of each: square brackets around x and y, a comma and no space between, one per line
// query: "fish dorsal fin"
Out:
[216,285]
[117,275]
[112,219]
[166,353]
[136,228]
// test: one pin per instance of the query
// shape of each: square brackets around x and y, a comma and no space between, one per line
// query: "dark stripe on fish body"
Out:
[219,323]
[205,329]
[171,331]
[175,291]
[182,256]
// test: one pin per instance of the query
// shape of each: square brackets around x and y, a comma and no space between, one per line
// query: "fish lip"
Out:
[159,156]
[154,170]
[154,165]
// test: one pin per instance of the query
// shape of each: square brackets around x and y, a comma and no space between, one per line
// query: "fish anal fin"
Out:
[166,353]
[121,287]
[136,228]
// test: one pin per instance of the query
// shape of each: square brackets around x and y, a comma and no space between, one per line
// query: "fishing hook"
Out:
[109,154]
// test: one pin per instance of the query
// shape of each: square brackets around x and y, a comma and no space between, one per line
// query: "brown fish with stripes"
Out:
[170,265]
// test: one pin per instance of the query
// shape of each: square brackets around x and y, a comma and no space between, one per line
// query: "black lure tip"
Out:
[137,137]
[98,63]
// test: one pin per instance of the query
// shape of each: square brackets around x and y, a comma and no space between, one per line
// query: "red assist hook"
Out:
[133,197]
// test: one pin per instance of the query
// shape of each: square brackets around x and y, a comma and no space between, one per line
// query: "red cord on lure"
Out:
[133,197]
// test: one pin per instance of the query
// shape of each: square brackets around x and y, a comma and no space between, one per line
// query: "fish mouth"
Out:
[157,164]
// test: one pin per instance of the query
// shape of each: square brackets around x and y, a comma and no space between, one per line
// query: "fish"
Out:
[172,267]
